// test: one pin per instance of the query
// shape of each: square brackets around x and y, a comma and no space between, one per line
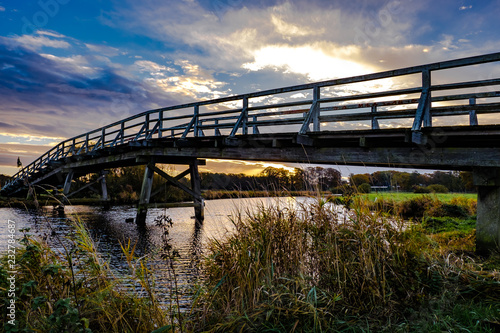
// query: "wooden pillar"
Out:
[147,184]
[199,204]
[104,188]
[487,181]
[67,182]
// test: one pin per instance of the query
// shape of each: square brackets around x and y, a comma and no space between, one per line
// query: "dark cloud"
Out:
[45,96]
[5,125]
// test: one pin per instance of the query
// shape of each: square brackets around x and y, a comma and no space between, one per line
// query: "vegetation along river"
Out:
[110,228]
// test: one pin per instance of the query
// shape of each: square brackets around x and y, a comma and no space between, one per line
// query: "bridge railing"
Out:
[319,105]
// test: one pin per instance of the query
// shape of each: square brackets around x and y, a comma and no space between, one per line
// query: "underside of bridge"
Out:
[473,148]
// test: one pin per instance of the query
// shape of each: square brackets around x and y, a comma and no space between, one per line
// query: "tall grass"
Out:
[75,291]
[286,268]
[311,270]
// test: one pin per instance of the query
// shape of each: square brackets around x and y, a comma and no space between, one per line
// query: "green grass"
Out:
[402,196]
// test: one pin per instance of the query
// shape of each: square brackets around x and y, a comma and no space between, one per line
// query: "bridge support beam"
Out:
[199,207]
[194,191]
[147,185]
[67,182]
[487,181]
[104,187]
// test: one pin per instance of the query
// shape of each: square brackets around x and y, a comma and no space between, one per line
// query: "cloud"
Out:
[2,9]
[45,95]
[153,69]
[50,33]
[195,82]
[108,51]
[76,64]
[34,42]
[274,40]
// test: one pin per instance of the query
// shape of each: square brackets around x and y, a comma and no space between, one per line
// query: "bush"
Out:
[437,188]
[421,189]
[470,205]
[364,188]
[417,207]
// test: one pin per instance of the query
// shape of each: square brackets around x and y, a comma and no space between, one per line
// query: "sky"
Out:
[69,66]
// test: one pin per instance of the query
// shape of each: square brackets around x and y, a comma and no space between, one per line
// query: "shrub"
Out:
[437,188]
[420,189]
[469,204]
[417,207]
[364,188]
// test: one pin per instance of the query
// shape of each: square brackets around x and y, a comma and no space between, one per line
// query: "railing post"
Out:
[103,137]
[426,86]
[87,143]
[122,131]
[255,127]
[244,122]
[316,97]
[160,124]
[146,126]
[60,152]
[423,113]
[216,130]
[196,117]
[472,113]
[375,124]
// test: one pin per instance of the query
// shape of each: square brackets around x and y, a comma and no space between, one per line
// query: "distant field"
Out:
[401,196]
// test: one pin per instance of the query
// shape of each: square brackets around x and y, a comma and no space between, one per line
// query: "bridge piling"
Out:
[147,185]
[487,181]
[199,208]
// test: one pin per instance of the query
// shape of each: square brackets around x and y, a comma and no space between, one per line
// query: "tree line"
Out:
[124,184]
[438,181]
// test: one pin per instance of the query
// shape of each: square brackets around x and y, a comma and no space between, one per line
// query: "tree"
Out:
[466,177]
[359,179]
[364,188]
[297,179]
[330,178]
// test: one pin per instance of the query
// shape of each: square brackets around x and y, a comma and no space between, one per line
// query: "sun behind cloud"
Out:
[306,60]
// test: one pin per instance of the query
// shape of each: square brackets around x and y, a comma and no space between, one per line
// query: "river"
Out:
[109,227]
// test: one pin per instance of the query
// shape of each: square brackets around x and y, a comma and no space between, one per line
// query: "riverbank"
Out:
[49,200]
[283,269]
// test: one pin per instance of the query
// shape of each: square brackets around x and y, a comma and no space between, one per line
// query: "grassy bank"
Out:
[284,269]
[403,196]
[74,290]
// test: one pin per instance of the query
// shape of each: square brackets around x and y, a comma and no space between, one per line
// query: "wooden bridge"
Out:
[359,120]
